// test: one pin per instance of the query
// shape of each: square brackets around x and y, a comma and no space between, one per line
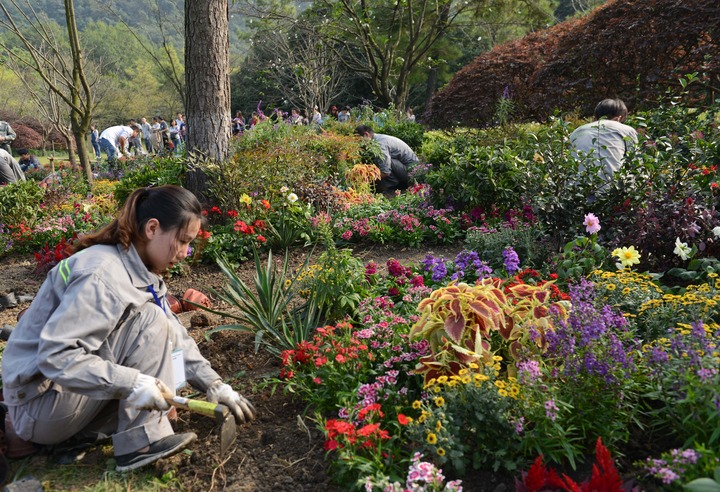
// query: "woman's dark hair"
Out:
[610,108]
[174,207]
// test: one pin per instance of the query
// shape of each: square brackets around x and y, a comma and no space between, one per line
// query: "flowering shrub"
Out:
[465,420]
[422,477]
[408,220]
[48,256]
[625,290]
[679,466]
[682,379]
[656,317]
[585,384]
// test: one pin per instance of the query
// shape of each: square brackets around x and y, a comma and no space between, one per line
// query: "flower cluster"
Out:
[422,477]
[450,425]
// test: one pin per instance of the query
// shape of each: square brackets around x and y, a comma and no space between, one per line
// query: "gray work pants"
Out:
[141,342]
[397,180]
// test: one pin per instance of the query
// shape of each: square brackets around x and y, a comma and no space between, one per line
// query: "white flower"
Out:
[716,231]
[292,197]
[284,189]
[682,249]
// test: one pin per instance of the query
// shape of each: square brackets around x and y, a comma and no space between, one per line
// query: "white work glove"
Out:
[147,393]
[219,392]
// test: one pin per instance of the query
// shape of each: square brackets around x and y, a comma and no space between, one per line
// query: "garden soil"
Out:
[281,450]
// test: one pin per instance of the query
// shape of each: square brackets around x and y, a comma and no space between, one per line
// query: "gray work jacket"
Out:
[393,149]
[60,338]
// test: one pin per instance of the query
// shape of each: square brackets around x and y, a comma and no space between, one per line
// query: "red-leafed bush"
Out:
[632,49]
[27,138]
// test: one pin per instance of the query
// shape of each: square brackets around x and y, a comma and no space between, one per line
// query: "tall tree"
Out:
[62,71]
[386,41]
[207,83]
[308,71]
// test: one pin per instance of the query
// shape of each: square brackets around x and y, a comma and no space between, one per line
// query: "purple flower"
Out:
[511,260]
[528,371]
[551,409]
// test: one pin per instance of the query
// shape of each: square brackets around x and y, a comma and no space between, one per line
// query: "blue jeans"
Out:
[108,148]
[96,148]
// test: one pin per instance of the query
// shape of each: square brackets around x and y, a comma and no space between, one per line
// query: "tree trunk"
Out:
[431,85]
[207,84]
[83,105]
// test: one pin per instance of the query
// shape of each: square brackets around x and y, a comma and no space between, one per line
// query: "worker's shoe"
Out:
[167,446]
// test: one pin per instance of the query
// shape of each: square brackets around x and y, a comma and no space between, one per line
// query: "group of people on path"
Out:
[140,138]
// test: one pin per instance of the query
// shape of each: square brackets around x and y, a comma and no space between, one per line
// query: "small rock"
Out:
[23,298]
[199,320]
[27,484]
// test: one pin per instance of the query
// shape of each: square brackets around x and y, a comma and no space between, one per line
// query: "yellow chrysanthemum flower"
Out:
[439,401]
[442,379]
[438,426]
[416,404]
[503,392]
[440,452]
[431,438]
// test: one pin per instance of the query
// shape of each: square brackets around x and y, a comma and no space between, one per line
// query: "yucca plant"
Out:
[267,311]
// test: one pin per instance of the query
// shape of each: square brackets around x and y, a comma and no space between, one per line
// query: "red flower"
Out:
[216,210]
[317,380]
[265,204]
[204,213]
[402,418]
[340,358]
[204,234]
[331,445]
[232,213]
[261,239]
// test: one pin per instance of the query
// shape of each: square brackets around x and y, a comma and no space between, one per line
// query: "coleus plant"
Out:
[465,323]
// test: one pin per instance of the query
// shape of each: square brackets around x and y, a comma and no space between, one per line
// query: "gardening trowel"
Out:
[222,414]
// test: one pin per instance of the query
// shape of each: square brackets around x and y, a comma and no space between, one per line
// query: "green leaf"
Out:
[703,485]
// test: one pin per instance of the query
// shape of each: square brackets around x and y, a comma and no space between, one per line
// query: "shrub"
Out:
[27,138]
[155,172]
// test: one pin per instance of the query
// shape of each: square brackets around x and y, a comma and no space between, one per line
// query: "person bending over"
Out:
[394,162]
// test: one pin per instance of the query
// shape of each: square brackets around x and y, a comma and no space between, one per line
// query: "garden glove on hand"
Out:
[147,393]
[219,392]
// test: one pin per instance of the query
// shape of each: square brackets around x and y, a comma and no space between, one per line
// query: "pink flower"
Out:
[347,235]
[591,223]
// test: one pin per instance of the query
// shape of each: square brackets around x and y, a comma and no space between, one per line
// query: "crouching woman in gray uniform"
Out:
[92,356]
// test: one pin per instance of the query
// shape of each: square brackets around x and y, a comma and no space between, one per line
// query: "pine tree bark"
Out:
[207,77]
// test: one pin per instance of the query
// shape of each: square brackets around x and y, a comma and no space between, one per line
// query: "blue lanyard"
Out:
[157,299]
